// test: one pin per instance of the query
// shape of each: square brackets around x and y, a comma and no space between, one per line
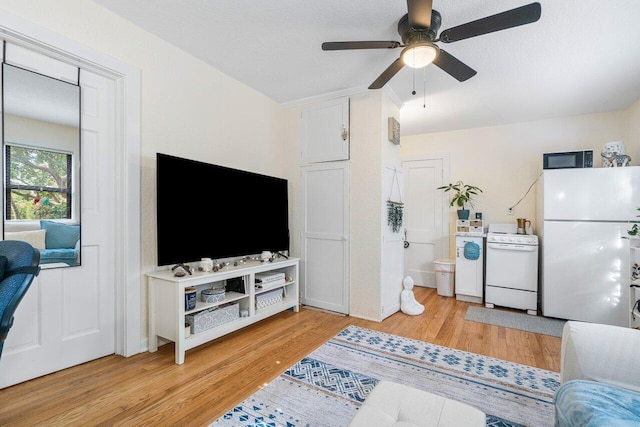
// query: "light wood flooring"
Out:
[150,390]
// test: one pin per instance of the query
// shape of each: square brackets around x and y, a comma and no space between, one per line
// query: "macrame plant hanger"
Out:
[394,208]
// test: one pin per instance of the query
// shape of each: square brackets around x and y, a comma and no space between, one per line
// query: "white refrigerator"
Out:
[583,217]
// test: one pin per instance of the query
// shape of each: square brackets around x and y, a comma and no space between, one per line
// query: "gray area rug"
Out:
[326,388]
[524,322]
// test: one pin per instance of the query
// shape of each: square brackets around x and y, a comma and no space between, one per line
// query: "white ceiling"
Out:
[582,56]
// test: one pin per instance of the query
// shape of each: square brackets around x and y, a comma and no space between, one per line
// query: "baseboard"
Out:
[308,307]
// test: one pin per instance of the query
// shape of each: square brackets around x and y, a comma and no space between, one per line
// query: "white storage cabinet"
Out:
[325,132]
[167,315]
[469,277]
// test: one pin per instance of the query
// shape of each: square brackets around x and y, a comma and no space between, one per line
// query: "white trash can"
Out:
[445,270]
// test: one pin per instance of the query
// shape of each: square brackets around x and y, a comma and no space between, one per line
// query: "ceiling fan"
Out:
[418,30]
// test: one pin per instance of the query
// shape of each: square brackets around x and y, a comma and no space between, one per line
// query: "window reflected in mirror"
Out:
[41,128]
[39,184]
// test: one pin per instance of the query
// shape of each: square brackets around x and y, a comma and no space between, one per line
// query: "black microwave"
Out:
[568,160]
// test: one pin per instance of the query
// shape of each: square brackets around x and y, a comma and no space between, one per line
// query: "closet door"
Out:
[325,132]
[325,237]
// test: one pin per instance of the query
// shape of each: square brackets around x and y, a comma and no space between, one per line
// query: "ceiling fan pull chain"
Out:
[424,87]
[413,92]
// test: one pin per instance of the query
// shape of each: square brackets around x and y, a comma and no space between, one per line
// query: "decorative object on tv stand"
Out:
[614,155]
[395,208]
[189,298]
[180,270]
[206,265]
[212,295]
[269,279]
[269,298]
[461,195]
[212,317]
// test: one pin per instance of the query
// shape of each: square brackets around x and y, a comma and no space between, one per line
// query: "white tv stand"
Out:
[167,302]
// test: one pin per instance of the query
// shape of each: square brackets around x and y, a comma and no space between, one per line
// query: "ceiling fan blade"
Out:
[360,45]
[419,13]
[501,21]
[387,74]
[453,66]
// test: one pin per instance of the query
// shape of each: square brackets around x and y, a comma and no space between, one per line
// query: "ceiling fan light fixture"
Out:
[419,55]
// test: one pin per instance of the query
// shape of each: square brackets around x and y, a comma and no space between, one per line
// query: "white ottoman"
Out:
[391,404]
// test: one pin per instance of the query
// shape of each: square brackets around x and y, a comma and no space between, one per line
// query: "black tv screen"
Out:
[210,211]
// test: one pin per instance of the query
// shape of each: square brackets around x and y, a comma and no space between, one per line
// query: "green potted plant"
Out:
[634,230]
[461,195]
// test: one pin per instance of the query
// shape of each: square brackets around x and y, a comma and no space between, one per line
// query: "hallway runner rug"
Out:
[327,387]
[521,321]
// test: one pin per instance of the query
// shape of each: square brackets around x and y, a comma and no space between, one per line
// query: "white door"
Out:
[325,132]
[426,216]
[325,237]
[68,315]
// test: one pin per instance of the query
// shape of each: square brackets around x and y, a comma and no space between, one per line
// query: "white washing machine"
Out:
[512,269]
[469,267]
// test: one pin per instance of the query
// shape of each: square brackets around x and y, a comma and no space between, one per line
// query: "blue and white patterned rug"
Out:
[327,387]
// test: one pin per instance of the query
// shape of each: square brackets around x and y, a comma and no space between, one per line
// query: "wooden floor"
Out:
[149,389]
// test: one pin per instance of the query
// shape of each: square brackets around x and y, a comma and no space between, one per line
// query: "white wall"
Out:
[392,244]
[188,108]
[632,132]
[40,134]
[366,216]
[505,160]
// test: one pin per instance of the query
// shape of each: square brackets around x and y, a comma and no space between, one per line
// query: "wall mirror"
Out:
[41,158]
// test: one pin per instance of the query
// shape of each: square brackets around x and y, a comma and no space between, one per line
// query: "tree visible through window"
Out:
[38,183]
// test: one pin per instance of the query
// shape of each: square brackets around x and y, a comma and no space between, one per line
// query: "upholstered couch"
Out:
[600,375]
[58,241]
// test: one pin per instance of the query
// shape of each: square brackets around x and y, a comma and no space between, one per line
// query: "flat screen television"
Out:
[210,211]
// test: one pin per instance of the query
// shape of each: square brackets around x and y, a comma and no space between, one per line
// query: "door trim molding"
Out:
[127,174]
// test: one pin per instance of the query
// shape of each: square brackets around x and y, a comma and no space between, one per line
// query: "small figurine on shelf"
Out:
[181,270]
